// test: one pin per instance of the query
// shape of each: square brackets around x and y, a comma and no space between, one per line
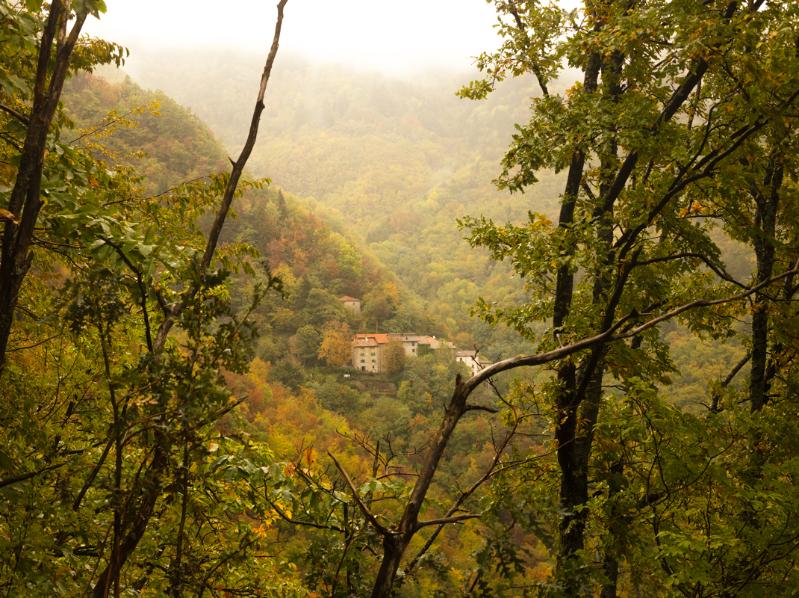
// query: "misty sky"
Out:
[396,36]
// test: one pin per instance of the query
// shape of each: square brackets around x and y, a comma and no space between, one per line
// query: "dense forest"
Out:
[576,270]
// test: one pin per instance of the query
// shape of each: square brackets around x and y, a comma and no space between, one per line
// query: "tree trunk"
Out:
[396,541]
[136,518]
[25,201]
[574,481]
[766,205]
[393,549]
[610,563]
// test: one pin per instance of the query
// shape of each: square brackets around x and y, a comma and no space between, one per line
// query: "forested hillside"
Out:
[398,161]
[236,369]
[293,402]
[149,132]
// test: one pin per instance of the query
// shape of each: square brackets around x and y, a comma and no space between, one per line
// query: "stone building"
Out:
[367,352]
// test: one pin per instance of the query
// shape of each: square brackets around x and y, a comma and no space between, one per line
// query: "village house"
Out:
[367,352]
[416,344]
[368,349]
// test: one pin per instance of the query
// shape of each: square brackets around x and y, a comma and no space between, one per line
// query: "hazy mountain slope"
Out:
[399,160]
[314,255]
[329,132]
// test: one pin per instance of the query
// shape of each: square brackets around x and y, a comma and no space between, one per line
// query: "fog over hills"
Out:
[397,160]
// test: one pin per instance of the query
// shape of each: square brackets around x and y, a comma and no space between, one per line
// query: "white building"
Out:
[469,359]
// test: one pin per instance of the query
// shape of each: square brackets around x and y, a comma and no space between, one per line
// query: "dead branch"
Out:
[379,527]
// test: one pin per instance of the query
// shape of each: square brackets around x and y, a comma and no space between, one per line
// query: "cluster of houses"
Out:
[369,350]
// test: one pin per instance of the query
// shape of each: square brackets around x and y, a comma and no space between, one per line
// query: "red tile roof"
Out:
[377,338]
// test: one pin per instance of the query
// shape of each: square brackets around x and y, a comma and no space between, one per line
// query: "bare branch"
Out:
[218,414]
[31,474]
[145,493]
[716,397]
[230,189]
[489,473]
[485,408]
[92,475]
[379,528]
[159,194]
[447,520]
[535,66]
[109,123]
[718,269]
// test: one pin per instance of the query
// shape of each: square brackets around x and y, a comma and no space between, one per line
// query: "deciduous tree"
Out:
[336,347]
[393,357]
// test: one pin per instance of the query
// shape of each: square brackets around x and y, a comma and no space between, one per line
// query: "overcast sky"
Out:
[393,36]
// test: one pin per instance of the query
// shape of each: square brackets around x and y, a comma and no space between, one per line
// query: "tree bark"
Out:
[575,439]
[396,541]
[574,481]
[610,564]
[393,549]
[766,205]
[25,201]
